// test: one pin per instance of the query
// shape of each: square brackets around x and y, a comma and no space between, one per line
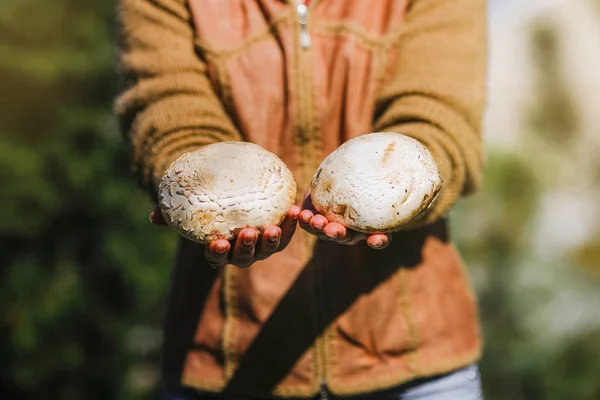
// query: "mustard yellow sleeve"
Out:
[438,92]
[166,105]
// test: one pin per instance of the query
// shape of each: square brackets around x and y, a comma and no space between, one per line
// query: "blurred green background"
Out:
[83,275]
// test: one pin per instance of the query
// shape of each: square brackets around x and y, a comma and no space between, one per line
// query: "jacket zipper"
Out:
[305,43]
[323,395]
[302,12]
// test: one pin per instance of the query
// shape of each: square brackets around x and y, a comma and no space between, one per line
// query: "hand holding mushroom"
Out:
[369,187]
[235,197]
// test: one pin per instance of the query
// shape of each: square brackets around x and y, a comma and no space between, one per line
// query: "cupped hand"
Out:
[313,222]
[249,246]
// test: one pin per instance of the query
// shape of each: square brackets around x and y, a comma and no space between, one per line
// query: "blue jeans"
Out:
[463,384]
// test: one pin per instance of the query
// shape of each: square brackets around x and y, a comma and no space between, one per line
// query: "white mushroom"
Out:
[377,182]
[218,190]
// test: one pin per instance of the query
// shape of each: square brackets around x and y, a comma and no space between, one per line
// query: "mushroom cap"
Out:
[218,190]
[377,182]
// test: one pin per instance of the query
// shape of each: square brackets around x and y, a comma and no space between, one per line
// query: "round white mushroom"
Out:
[218,190]
[377,182]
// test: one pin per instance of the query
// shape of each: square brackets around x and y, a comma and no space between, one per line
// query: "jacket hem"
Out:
[215,387]
[343,388]
[386,382]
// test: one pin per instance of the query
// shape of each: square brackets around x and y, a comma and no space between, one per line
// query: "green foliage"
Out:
[587,256]
[554,115]
[520,361]
[83,271]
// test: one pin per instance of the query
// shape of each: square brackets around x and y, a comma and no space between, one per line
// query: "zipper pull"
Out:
[323,394]
[302,11]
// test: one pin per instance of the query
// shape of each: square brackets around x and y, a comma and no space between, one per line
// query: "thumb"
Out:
[288,227]
[157,218]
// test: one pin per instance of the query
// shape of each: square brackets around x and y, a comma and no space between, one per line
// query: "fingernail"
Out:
[248,241]
[333,235]
[306,219]
[220,250]
[378,243]
[272,239]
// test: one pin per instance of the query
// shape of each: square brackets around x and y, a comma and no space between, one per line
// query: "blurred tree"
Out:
[573,372]
[82,272]
[554,116]
[519,362]
[587,256]
[499,217]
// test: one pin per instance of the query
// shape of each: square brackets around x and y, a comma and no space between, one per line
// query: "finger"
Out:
[288,227]
[157,218]
[335,231]
[275,239]
[304,220]
[268,243]
[217,251]
[379,241]
[317,224]
[340,234]
[243,250]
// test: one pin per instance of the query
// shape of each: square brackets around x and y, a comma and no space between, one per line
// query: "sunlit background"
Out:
[83,274]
